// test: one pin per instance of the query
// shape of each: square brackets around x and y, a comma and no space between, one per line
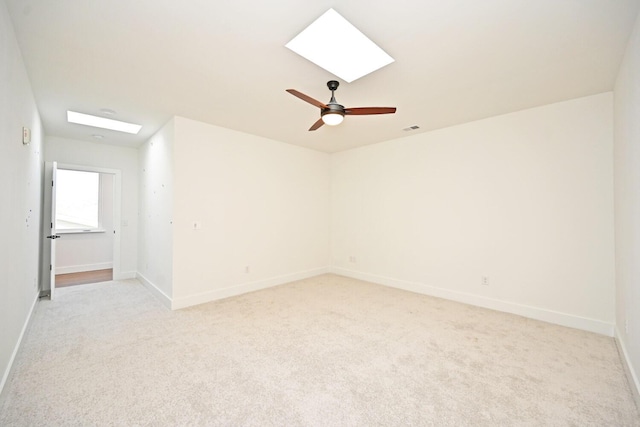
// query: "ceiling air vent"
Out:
[410,128]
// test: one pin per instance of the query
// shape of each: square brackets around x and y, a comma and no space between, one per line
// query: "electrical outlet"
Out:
[352,259]
[485,281]
[197,225]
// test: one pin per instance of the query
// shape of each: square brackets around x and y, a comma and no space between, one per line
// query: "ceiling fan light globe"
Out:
[332,119]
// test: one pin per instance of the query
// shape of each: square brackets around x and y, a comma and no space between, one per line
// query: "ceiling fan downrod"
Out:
[333,86]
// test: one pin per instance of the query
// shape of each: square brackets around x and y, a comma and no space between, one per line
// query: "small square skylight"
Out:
[333,43]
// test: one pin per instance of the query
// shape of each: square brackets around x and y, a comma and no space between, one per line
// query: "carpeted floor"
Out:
[327,351]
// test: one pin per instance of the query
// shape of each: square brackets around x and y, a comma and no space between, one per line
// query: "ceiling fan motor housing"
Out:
[333,109]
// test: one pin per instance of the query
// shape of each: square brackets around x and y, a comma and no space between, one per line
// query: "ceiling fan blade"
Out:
[307,98]
[364,111]
[317,124]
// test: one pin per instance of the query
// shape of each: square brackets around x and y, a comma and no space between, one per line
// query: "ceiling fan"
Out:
[333,113]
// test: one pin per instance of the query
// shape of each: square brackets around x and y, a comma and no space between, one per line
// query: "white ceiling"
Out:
[224,62]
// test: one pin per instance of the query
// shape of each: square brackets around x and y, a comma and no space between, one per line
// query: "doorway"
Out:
[82,210]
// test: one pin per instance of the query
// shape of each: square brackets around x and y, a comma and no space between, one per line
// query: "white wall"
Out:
[260,203]
[77,252]
[125,159]
[525,199]
[627,205]
[155,240]
[21,193]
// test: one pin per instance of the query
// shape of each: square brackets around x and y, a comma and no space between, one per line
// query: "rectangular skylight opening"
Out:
[101,122]
[333,43]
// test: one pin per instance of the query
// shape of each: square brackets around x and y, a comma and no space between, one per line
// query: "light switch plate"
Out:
[26,135]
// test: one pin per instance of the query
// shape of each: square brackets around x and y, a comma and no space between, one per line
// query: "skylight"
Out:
[101,122]
[333,43]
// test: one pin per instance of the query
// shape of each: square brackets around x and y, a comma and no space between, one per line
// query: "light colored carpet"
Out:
[325,351]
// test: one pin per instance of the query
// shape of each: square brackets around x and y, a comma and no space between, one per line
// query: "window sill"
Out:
[96,230]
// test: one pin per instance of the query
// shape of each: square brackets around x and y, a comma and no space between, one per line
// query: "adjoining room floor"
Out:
[82,278]
[327,351]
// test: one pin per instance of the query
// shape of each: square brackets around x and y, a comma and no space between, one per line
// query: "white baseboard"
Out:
[231,291]
[632,376]
[164,298]
[124,275]
[563,319]
[84,267]
[7,371]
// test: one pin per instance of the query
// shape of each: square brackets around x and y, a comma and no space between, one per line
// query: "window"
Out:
[77,200]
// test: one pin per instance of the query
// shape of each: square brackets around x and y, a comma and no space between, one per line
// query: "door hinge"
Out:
[50,268]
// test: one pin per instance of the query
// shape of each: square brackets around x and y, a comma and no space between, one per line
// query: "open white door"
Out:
[53,236]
